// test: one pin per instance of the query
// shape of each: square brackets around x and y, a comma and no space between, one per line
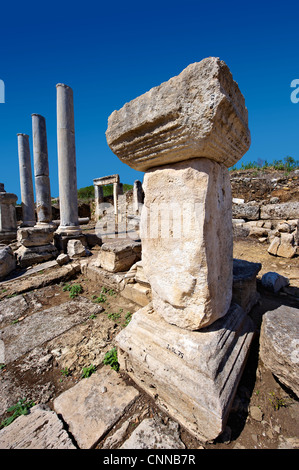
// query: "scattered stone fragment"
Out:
[62,259]
[40,429]
[279,345]
[153,434]
[75,249]
[7,261]
[256,413]
[90,414]
[274,281]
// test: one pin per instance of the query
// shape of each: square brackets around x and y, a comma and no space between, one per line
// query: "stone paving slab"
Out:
[94,405]
[153,434]
[40,429]
[22,337]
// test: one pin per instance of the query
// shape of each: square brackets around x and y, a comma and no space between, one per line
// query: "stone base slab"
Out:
[8,237]
[193,375]
[36,236]
[28,256]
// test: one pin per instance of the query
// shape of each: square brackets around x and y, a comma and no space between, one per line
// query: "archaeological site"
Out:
[164,316]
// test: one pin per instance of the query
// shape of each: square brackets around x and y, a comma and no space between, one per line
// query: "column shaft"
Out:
[27,195]
[41,170]
[68,198]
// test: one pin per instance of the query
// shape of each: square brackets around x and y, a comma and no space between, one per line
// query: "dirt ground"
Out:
[264,415]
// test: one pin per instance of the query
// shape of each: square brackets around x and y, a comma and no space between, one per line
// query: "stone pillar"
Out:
[68,198]
[41,170]
[99,199]
[27,195]
[188,346]
[138,196]
[8,219]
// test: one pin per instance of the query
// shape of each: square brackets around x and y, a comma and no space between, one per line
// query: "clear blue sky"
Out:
[110,53]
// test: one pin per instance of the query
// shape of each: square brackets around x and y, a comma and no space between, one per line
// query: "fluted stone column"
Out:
[68,199]
[27,195]
[41,170]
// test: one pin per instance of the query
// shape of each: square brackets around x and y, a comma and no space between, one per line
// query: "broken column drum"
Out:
[68,197]
[27,195]
[189,346]
[41,170]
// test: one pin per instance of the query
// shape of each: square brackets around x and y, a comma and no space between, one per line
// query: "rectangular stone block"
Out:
[94,405]
[199,113]
[36,236]
[192,375]
[187,242]
[119,255]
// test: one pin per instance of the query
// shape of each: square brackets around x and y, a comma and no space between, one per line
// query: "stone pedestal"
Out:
[8,220]
[190,348]
[27,196]
[36,245]
[193,375]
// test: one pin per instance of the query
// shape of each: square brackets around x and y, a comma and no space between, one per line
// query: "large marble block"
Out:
[193,375]
[187,242]
[200,112]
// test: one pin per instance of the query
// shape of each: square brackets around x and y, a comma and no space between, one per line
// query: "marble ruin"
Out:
[167,246]
[8,220]
[188,346]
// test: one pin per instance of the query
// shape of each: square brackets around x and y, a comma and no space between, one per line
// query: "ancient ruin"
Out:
[157,279]
[8,220]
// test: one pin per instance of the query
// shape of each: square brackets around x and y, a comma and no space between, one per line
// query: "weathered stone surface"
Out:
[286,210]
[186,232]
[7,261]
[89,413]
[75,249]
[244,283]
[62,259]
[192,375]
[273,247]
[246,211]
[8,219]
[286,248]
[137,293]
[35,236]
[27,256]
[279,345]
[199,113]
[119,255]
[39,327]
[40,429]
[153,434]
[12,308]
[274,281]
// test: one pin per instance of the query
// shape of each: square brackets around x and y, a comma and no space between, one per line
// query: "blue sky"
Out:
[110,53]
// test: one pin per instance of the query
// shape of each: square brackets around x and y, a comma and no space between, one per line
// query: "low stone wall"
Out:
[276,224]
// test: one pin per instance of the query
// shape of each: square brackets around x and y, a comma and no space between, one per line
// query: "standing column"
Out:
[26,181]
[99,199]
[41,170]
[68,198]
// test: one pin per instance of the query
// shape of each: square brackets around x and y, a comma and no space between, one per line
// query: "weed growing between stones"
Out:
[111,359]
[21,408]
